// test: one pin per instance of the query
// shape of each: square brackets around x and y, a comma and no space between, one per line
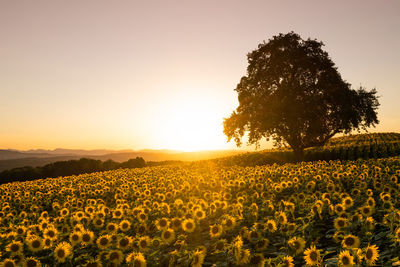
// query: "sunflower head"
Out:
[345,259]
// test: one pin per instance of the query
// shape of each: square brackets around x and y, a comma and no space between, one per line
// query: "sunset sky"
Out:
[161,74]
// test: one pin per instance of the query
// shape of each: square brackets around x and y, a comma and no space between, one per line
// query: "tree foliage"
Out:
[294,94]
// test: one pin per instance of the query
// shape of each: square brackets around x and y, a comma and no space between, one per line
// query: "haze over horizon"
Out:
[161,75]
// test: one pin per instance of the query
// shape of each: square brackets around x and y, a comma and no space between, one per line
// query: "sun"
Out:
[191,123]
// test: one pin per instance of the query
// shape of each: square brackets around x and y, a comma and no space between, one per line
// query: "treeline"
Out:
[65,168]
[365,150]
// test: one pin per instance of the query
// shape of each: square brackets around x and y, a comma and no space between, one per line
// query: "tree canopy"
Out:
[294,94]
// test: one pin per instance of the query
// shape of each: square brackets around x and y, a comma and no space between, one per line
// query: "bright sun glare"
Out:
[191,123]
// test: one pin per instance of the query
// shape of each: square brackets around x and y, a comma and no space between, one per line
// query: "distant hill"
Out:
[10,159]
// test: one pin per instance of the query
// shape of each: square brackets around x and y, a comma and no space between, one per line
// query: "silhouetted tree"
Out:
[294,94]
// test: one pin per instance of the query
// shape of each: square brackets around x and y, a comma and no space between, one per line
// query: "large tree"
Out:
[294,94]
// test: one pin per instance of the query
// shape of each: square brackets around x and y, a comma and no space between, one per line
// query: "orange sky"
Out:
[161,74]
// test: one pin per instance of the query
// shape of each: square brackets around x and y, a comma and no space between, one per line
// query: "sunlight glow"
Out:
[190,123]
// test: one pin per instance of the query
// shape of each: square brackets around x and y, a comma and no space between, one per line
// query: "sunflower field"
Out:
[323,213]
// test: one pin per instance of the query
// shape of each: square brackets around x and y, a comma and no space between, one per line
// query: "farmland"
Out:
[199,214]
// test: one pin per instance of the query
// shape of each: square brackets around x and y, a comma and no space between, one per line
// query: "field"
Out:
[199,214]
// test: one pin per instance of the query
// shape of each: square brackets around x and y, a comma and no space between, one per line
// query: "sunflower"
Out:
[103,242]
[15,247]
[168,235]
[229,223]
[98,223]
[8,263]
[198,258]
[75,237]
[345,259]
[64,212]
[32,262]
[144,243]
[244,257]
[124,242]
[367,211]
[347,202]
[199,214]
[339,208]
[51,232]
[136,259]
[188,225]
[115,256]
[112,228]
[62,251]
[215,230]
[21,230]
[297,244]
[350,241]
[125,225]
[47,243]
[282,219]
[370,223]
[287,261]
[371,202]
[270,226]
[118,213]
[142,217]
[34,243]
[312,256]
[371,254]
[162,224]
[87,237]
[340,223]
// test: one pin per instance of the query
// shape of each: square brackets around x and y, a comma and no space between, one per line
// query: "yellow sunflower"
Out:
[32,262]
[124,242]
[350,241]
[87,237]
[270,225]
[297,244]
[312,256]
[287,261]
[124,225]
[168,235]
[188,225]
[229,223]
[371,254]
[198,258]
[62,251]
[115,256]
[345,259]
[340,223]
[15,247]
[136,259]
[75,237]
[215,230]
[144,243]
[8,263]
[103,242]
[34,243]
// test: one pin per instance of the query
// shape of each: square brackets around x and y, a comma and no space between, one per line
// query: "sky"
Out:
[161,74]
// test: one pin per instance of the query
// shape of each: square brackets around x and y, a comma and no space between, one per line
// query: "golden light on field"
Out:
[190,122]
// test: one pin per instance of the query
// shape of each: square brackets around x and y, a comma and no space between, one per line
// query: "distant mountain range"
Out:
[10,158]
